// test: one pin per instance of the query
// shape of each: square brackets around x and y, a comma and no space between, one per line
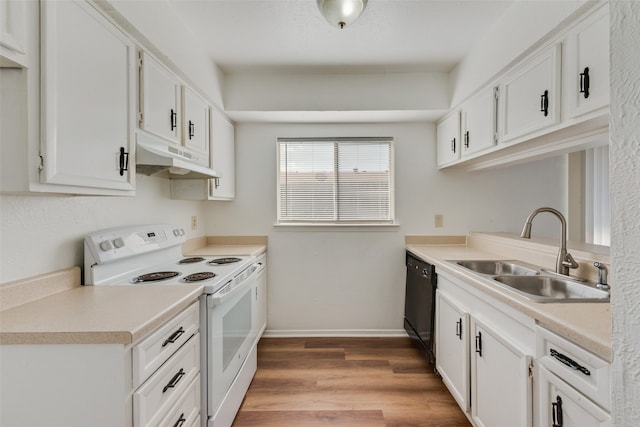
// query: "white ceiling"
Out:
[291,35]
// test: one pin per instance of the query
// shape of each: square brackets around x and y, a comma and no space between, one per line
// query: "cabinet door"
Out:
[478,117]
[195,132]
[561,404]
[530,96]
[452,348]
[586,65]
[261,302]
[500,381]
[160,100]
[87,98]
[448,139]
[13,25]
[222,157]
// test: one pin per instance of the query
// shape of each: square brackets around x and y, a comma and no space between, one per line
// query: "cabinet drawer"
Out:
[187,410]
[154,350]
[152,401]
[576,366]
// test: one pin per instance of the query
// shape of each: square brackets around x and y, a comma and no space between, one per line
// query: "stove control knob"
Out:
[105,245]
[118,243]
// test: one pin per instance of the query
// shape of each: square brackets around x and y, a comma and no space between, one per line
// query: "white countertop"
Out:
[586,324]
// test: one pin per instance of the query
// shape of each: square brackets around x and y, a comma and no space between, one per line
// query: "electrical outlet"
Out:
[438,220]
[194,222]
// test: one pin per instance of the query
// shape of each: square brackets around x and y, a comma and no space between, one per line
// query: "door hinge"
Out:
[41,163]
[496,92]
[140,117]
[530,370]
[140,59]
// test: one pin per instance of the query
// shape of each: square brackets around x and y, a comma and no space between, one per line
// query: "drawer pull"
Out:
[175,380]
[180,421]
[174,337]
[569,362]
[556,412]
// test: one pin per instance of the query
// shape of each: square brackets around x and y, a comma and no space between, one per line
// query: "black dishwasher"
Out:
[420,303]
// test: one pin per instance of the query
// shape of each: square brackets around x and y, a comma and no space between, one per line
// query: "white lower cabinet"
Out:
[562,405]
[155,382]
[483,353]
[452,350]
[501,384]
[573,384]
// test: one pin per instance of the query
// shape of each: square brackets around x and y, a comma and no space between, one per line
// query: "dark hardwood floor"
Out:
[354,382]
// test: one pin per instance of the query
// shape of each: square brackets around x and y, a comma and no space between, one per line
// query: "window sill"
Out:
[336,227]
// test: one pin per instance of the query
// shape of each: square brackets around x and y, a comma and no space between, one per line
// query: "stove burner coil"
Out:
[154,277]
[191,260]
[198,277]
[219,261]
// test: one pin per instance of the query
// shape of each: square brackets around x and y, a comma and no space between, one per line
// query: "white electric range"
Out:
[134,256]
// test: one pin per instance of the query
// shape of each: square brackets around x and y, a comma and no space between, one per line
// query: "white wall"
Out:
[522,25]
[345,280]
[40,234]
[160,25]
[625,219]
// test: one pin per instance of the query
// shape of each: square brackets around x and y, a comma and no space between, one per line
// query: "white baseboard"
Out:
[352,333]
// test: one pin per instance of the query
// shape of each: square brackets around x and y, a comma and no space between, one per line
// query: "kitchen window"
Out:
[335,181]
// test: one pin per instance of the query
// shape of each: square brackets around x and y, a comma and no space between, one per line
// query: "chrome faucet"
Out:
[565,261]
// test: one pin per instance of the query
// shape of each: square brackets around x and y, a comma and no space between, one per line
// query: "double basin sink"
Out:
[535,283]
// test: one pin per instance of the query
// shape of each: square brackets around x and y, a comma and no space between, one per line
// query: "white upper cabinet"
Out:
[159,100]
[222,134]
[530,95]
[195,126]
[13,25]
[478,122]
[586,66]
[87,99]
[448,139]
[222,157]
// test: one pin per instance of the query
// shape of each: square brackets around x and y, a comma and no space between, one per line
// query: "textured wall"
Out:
[40,234]
[625,207]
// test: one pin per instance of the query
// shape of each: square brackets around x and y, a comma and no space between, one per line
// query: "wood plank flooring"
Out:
[346,382]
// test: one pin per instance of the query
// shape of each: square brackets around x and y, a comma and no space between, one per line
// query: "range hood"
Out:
[155,158]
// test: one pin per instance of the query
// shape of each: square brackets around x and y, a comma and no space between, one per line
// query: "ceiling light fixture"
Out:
[341,13]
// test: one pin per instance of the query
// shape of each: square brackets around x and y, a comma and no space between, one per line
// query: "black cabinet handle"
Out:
[459,329]
[544,103]
[453,145]
[124,161]
[466,139]
[173,119]
[569,362]
[556,412]
[584,82]
[175,380]
[174,337]
[180,421]
[192,129]
[479,344]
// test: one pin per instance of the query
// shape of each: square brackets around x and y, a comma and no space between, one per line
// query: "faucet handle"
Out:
[569,262]
[602,276]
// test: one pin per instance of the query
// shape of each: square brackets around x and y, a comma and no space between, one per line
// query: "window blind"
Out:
[339,180]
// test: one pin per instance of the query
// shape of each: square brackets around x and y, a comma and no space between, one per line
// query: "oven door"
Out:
[230,334]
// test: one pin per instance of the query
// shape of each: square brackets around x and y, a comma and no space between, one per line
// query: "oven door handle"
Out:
[233,286]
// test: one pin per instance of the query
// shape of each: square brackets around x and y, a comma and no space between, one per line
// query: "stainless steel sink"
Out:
[547,288]
[494,268]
